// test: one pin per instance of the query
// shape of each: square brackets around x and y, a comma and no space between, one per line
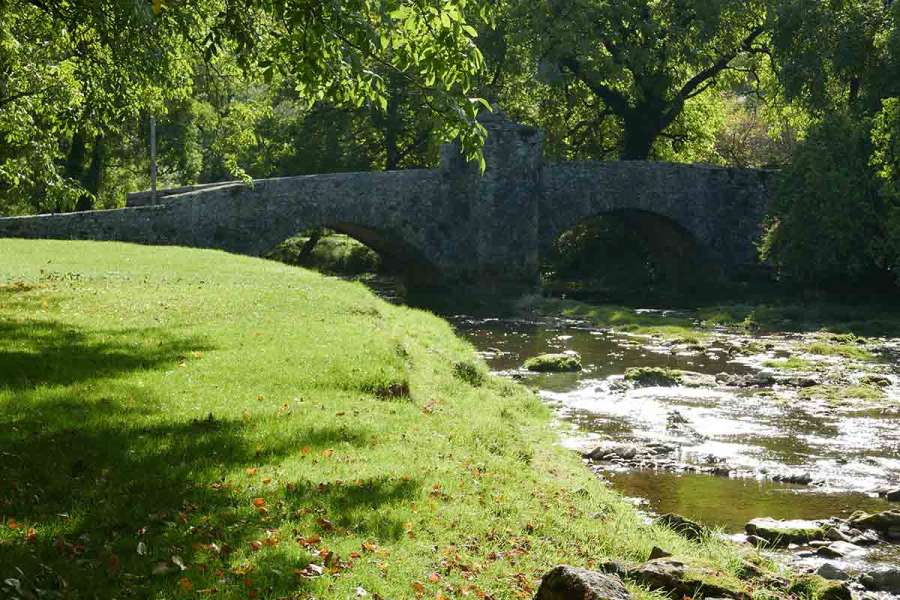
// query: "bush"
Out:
[827,223]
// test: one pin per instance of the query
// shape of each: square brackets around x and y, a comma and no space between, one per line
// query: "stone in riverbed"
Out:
[839,550]
[571,583]
[824,589]
[554,363]
[653,377]
[613,450]
[684,579]
[796,477]
[882,521]
[832,572]
[782,533]
[891,495]
[882,580]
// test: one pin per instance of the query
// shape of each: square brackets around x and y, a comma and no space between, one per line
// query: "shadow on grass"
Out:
[113,495]
[36,352]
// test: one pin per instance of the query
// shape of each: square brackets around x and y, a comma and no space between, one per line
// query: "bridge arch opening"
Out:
[626,255]
[350,250]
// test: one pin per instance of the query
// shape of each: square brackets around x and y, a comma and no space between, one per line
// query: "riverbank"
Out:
[183,422]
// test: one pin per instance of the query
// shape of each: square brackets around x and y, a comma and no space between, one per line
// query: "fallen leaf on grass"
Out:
[259,502]
[185,584]
[251,471]
[309,571]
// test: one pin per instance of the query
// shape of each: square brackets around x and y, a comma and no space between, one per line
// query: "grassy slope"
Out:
[150,399]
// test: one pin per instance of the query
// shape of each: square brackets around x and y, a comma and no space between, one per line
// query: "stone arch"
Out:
[398,255]
[674,250]
[722,209]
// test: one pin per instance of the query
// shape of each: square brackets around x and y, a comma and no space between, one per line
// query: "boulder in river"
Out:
[554,363]
[782,533]
[653,377]
[882,580]
[612,450]
[881,522]
[824,589]
[839,550]
[796,477]
[571,583]
[892,495]
[688,579]
[832,572]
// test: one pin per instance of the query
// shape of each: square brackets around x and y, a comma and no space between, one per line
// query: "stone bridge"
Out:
[451,224]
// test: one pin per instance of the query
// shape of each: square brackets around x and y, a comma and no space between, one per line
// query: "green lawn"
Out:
[181,423]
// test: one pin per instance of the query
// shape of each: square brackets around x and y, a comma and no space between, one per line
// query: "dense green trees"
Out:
[80,77]
[276,87]
[835,222]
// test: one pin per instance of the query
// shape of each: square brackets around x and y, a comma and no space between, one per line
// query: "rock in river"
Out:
[571,583]
[782,533]
[883,521]
[883,580]
[839,550]
[554,363]
[832,572]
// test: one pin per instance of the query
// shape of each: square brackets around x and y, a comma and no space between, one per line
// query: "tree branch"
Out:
[613,98]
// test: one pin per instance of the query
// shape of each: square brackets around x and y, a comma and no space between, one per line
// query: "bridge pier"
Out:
[498,210]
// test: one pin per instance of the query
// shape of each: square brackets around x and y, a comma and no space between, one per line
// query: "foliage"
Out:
[217,434]
[886,159]
[639,62]
[81,79]
[828,219]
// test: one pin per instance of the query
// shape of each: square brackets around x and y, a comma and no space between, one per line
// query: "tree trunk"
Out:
[93,178]
[637,141]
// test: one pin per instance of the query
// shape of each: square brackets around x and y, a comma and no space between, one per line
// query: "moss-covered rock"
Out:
[554,363]
[782,533]
[882,521]
[681,578]
[653,377]
[815,587]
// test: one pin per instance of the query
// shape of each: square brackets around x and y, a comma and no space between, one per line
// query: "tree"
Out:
[643,61]
[80,75]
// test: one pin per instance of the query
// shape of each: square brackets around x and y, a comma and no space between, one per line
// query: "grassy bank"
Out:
[182,423]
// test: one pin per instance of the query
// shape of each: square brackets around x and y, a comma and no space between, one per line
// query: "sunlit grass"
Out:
[178,422]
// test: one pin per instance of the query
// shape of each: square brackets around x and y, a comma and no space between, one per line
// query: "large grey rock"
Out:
[881,522]
[840,550]
[782,533]
[571,583]
[682,579]
[832,572]
[883,580]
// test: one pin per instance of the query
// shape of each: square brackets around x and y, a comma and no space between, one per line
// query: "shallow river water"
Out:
[843,453]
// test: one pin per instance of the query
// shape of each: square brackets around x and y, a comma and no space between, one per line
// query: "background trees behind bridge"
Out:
[259,88]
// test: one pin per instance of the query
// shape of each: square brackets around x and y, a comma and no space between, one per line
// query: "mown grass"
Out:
[179,423]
